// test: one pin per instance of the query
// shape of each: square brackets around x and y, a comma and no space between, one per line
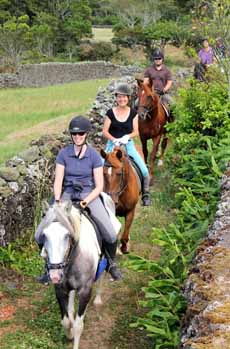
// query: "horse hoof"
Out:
[124,248]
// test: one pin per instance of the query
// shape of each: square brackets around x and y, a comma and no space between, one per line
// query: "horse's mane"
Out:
[69,217]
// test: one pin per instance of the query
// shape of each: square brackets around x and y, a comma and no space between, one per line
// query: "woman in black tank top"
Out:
[120,127]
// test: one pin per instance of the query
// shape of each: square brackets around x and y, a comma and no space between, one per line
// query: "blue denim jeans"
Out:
[132,152]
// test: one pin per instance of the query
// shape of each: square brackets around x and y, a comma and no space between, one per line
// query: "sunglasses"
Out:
[78,133]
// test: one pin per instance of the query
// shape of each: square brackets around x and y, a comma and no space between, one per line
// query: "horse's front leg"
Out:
[66,304]
[156,142]
[83,299]
[125,236]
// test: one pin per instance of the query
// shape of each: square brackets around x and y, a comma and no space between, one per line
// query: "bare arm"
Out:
[58,181]
[167,86]
[105,130]
[99,184]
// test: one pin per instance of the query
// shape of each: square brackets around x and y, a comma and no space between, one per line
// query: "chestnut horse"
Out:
[121,183]
[152,120]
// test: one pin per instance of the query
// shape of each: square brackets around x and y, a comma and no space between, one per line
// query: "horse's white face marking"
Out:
[56,242]
[110,171]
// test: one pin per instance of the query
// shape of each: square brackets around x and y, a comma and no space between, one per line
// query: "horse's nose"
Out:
[56,275]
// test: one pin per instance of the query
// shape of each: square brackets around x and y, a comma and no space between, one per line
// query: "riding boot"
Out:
[110,253]
[146,199]
[44,278]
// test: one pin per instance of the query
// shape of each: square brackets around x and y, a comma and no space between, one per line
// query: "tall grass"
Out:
[26,113]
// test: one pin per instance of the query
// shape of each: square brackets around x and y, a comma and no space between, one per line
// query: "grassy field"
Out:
[27,113]
[102,34]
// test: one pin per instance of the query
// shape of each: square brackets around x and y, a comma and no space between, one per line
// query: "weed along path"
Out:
[29,314]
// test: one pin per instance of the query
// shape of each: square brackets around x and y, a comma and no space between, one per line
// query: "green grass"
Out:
[102,34]
[22,109]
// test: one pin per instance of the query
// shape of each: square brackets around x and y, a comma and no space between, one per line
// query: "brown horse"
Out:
[121,183]
[152,120]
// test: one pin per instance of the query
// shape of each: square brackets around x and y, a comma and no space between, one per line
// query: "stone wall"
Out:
[45,74]
[207,320]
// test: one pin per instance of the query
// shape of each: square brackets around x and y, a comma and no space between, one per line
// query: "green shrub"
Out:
[201,148]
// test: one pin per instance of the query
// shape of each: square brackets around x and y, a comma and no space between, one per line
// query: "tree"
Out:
[15,38]
[44,32]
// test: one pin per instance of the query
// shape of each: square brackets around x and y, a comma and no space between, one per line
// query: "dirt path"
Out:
[52,126]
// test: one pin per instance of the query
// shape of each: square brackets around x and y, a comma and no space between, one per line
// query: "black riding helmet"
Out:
[157,53]
[79,124]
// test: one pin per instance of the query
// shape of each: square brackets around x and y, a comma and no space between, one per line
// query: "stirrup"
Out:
[114,272]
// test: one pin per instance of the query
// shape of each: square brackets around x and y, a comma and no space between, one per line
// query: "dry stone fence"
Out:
[46,74]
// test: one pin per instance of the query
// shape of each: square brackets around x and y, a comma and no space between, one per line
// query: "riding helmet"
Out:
[157,53]
[79,124]
[123,89]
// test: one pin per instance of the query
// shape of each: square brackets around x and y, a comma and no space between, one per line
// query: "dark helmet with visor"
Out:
[157,54]
[79,124]
[123,89]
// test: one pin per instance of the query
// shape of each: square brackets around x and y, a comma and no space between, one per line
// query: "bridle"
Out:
[146,111]
[67,257]
[122,183]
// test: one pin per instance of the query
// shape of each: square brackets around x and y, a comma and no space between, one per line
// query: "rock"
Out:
[9,173]
[31,154]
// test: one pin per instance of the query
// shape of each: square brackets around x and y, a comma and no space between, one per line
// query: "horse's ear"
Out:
[45,206]
[139,81]
[103,153]
[119,154]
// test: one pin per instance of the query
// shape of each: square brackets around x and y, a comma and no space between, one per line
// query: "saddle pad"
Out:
[87,217]
[137,172]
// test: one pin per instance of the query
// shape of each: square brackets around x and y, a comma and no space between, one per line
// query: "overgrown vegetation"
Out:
[201,148]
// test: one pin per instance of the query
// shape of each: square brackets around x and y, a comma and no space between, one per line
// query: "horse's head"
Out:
[59,234]
[147,100]
[114,172]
